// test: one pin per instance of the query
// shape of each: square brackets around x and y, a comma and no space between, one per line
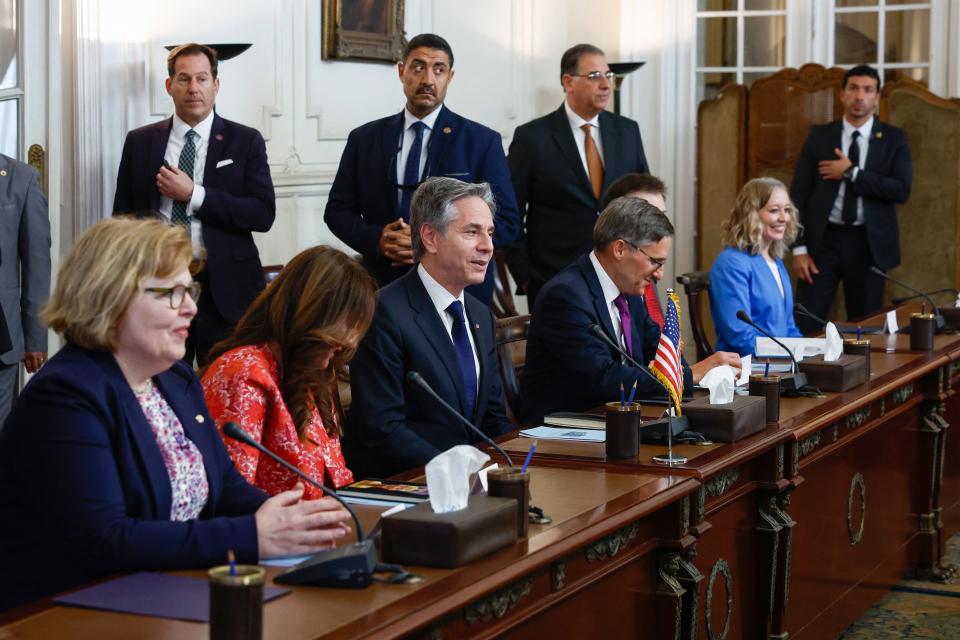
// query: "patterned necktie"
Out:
[652,304]
[187,156]
[411,173]
[594,165]
[625,325]
[461,342]
[849,197]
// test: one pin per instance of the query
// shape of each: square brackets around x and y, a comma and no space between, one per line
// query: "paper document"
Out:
[563,433]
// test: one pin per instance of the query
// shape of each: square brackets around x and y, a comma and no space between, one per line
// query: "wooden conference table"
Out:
[793,531]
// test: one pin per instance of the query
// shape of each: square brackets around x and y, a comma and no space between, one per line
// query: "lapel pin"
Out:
[3,172]
[447,130]
[219,136]
[878,135]
[476,326]
[199,418]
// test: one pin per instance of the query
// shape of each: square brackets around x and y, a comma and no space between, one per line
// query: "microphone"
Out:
[903,299]
[938,319]
[349,566]
[417,379]
[789,384]
[806,312]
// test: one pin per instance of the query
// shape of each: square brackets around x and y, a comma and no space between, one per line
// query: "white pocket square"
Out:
[224,163]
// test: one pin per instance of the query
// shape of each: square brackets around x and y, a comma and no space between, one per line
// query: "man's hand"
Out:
[701,368]
[834,169]
[395,243]
[805,267]
[33,360]
[174,184]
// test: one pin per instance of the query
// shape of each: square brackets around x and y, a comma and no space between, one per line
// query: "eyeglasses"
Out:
[177,293]
[594,76]
[659,263]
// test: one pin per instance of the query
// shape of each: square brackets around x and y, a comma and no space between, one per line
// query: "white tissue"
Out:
[448,477]
[746,366]
[834,346]
[719,381]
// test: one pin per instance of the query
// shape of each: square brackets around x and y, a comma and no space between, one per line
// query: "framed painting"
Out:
[363,30]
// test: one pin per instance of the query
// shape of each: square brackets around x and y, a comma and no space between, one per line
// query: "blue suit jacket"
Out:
[568,368]
[239,200]
[394,426]
[84,491]
[883,183]
[363,198]
[738,281]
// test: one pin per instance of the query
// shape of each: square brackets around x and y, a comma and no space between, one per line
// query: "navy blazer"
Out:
[554,193]
[738,281]
[363,198]
[84,491]
[239,200]
[568,367]
[394,426]
[883,183]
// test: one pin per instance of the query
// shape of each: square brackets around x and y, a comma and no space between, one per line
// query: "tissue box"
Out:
[744,416]
[840,375]
[418,536]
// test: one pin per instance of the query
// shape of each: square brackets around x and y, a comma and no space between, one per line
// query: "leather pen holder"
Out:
[730,422]
[922,328]
[858,348]
[236,602]
[623,430]
[767,387]
[514,484]
[841,374]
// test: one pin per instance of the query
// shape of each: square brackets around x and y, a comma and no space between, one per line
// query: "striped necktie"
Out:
[187,157]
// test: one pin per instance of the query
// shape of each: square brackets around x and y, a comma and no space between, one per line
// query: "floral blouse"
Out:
[243,386]
[181,457]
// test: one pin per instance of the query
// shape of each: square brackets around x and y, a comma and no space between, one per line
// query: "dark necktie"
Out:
[461,342]
[625,325]
[849,197]
[411,173]
[187,156]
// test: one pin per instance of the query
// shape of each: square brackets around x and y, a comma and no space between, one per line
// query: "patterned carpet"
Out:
[914,609]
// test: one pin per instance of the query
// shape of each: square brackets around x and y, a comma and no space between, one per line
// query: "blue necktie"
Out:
[411,173]
[461,342]
[189,153]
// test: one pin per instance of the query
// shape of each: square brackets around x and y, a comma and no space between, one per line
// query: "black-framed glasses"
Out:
[594,76]
[177,293]
[659,263]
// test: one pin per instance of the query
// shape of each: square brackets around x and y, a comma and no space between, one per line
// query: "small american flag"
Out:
[668,366]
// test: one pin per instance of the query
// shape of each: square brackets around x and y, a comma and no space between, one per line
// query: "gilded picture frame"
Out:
[370,30]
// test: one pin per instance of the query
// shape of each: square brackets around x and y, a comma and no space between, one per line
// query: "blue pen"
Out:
[766,370]
[232,559]
[633,392]
[526,463]
[621,395]
[858,333]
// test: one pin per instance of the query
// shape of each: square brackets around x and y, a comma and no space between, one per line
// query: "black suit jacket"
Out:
[568,367]
[239,200]
[554,192]
[393,426]
[883,183]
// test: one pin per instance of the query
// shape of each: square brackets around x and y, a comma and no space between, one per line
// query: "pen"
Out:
[526,463]
[633,392]
[858,333]
[766,370]
[621,395]
[232,559]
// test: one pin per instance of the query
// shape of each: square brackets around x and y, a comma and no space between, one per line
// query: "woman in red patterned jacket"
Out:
[276,375]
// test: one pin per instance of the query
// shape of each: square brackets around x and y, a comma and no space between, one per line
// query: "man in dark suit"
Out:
[849,178]
[419,326]
[210,175]
[570,368]
[24,275]
[562,163]
[385,160]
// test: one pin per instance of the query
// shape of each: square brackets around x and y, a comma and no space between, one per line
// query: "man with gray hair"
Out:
[425,322]
[568,367]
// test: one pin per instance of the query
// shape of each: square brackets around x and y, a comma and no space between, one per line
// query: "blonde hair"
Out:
[743,229]
[103,272]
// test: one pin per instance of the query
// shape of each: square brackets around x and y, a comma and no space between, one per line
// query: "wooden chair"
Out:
[503,305]
[270,272]
[512,350]
[696,284]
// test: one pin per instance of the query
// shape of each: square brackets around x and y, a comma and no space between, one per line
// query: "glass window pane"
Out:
[751,76]
[855,38]
[764,41]
[9,128]
[920,74]
[764,5]
[710,84]
[889,2]
[8,44]
[716,5]
[907,36]
[717,42]
[857,3]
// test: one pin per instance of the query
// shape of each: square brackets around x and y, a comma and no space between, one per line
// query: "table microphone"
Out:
[349,566]
[417,379]
[789,384]
[937,317]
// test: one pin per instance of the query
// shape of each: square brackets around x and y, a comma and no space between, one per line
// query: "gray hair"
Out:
[433,204]
[633,220]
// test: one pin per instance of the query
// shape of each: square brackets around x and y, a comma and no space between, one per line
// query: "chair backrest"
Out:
[503,305]
[512,349]
[696,284]
[271,271]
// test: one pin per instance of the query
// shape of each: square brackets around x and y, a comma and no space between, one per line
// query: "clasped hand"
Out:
[834,169]
[395,243]
[174,184]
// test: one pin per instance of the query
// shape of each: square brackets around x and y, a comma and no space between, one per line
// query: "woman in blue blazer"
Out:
[749,273]
[109,461]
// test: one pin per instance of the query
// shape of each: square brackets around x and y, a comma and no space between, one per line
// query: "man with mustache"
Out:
[425,322]
[849,178]
[387,159]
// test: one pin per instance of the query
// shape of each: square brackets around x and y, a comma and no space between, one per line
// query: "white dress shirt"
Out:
[178,138]
[406,143]
[575,123]
[610,293]
[441,299]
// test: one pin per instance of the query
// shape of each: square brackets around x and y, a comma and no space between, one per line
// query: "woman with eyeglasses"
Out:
[276,375]
[109,461]
[749,273]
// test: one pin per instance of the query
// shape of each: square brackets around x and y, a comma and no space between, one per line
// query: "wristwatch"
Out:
[848,174]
